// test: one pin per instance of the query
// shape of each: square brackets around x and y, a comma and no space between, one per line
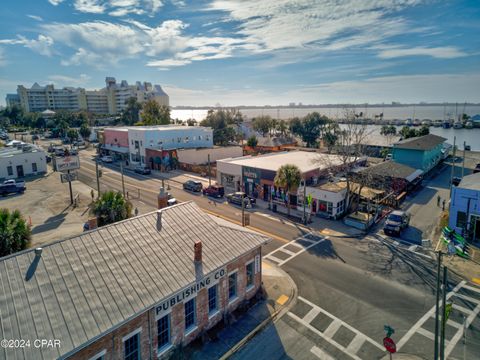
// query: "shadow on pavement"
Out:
[51,223]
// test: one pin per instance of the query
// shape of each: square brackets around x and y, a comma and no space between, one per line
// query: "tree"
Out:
[288,177]
[85,131]
[282,127]
[222,122]
[262,124]
[111,207]
[191,122]
[424,130]
[310,128]
[389,131]
[131,114]
[154,114]
[72,134]
[407,132]
[15,234]
[330,138]
[252,141]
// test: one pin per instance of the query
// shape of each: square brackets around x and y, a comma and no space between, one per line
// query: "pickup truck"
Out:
[12,187]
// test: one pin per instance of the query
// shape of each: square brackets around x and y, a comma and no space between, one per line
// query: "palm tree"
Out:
[15,234]
[288,177]
[111,207]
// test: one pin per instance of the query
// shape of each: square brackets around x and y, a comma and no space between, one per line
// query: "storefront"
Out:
[251,180]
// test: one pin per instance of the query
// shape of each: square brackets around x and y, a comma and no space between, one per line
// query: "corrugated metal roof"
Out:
[82,287]
[426,142]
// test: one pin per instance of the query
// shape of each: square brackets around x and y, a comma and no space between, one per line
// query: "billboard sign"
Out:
[68,177]
[67,163]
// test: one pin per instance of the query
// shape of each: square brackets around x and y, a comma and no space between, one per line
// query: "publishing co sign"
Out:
[67,163]
[190,291]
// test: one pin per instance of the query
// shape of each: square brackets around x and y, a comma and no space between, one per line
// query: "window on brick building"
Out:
[232,286]
[132,347]
[99,356]
[249,271]
[190,314]
[163,326]
[212,299]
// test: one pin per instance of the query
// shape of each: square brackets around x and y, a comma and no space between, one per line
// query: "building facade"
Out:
[423,152]
[22,161]
[137,289]
[465,207]
[109,100]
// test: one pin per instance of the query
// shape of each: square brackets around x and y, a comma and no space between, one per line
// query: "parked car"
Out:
[214,191]
[236,198]
[193,185]
[456,180]
[107,159]
[35,137]
[142,169]
[79,143]
[12,187]
[388,157]
[477,169]
[396,222]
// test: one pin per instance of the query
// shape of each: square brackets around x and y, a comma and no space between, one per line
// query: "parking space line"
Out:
[322,355]
[418,325]
[311,315]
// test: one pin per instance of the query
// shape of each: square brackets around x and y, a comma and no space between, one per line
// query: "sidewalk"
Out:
[280,294]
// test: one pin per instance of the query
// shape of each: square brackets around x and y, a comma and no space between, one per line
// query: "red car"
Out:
[214,191]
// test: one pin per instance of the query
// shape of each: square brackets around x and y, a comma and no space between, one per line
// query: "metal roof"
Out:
[391,169]
[471,182]
[80,288]
[426,142]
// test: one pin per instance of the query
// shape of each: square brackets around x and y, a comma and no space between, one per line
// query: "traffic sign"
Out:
[67,177]
[389,330]
[389,345]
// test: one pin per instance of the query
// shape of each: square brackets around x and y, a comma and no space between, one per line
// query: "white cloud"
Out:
[63,80]
[168,63]
[445,52]
[43,45]
[55,2]
[90,6]
[3,59]
[35,17]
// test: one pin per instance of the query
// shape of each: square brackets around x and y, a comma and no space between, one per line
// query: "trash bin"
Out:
[274,207]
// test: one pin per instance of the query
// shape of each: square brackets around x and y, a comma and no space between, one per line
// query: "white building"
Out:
[111,99]
[21,161]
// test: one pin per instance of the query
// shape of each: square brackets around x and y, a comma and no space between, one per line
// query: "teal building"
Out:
[423,152]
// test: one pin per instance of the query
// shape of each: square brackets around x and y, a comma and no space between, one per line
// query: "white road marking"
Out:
[322,355]
[468,298]
[296,243]
[356,343]
[472,288]
[462,309]
[458,335]
[428,334]
[332,328]
[311,315]
[415,328]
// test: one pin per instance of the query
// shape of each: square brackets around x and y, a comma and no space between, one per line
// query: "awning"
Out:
[414,175]
[118,149]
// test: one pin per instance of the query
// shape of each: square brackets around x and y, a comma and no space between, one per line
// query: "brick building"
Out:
[136,289]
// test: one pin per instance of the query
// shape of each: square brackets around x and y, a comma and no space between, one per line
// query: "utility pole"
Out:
[439,265]
[453,165]
[70,187]
[243,210]
[121,171]
[463,163]
[98,179]
[444,320]
[304,202]
[209,178]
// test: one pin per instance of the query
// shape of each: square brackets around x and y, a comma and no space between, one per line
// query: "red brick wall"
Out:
[113,344]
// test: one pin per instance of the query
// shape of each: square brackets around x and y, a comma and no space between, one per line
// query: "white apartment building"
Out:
[109,100]
[24,160]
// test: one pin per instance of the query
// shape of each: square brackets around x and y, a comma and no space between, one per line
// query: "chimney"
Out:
[159,220]
[197,248]
[162,199]
[92,223]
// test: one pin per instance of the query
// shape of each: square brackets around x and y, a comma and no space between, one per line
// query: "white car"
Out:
[107,159]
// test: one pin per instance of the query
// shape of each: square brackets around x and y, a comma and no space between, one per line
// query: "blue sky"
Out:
[249,52]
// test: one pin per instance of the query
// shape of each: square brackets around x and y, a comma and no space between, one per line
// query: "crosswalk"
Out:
[469,316]
[294,248]
[328,334]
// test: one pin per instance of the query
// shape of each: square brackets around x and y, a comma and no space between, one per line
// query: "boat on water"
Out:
[469,125]
[417,122]
[408,122]
[438,123]
[457,125]
[398,122]
[446,124]
[427,122]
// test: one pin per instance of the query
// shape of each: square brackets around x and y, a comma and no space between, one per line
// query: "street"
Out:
[349,287]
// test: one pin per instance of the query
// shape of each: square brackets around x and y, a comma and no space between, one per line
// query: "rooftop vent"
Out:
[38,251]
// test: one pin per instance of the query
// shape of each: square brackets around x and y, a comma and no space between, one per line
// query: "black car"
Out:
[456,180]
[396,222]
[192,185]
[236,198]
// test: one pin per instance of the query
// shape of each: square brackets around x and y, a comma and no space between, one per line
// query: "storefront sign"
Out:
[251,173]
[190,291]
[67,163]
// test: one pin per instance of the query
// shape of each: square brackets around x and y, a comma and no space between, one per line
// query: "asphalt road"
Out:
[349,288]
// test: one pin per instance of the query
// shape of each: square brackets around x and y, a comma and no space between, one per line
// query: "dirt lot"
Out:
[46,203]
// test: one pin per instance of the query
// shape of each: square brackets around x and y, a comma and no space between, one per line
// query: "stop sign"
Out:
[389,345]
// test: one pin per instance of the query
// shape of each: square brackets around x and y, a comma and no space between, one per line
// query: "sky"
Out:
[249,52]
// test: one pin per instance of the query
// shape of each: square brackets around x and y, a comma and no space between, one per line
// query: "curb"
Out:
[274,317]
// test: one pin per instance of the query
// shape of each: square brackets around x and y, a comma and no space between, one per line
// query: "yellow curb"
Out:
[282,299]
[476,280]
